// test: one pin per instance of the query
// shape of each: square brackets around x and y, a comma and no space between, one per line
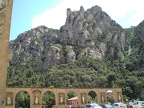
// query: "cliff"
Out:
[89,33]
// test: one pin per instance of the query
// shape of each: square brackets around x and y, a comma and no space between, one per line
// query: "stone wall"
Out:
[5,21]
[37,93]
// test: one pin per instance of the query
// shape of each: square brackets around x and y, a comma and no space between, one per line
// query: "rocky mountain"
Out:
[89,50]
[88,32]
[32,44]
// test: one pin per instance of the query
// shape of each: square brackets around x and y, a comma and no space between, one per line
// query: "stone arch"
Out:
[46,98]
[92,96]
[73,93]
[19,90]
[110,96]
[74,90]
[81,92]
[49,90]
[22,99]
[72,98]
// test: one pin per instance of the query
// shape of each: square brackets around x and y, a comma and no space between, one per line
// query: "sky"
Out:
[28,14]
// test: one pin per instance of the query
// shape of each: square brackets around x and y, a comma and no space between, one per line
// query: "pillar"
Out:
[5,20]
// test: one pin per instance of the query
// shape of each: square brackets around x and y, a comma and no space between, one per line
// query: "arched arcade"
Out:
[61,95]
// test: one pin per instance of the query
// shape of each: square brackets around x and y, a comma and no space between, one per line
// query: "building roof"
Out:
[74,98]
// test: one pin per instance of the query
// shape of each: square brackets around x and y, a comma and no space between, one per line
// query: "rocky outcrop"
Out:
[31,44]
[50,57]
[92,28]
[88,32]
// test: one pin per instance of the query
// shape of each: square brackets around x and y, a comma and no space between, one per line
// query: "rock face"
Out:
[89,33]
[94,30]
[34,44]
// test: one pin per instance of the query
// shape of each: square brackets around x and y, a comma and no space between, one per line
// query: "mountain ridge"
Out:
[89,50]
[89,30]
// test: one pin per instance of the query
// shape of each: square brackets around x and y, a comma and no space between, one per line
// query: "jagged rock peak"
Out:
[37,31]
[89,33]
[82,9]
[92,28]
[68,11]
[95,9]
[41,26]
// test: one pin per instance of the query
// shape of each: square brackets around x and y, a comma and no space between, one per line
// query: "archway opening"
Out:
[92,97]
[72,99]
[48,99]
[22,100]
[110,97]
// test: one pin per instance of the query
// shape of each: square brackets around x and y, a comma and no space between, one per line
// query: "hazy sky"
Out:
[29,14]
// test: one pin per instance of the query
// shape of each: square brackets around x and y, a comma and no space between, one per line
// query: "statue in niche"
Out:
[8,100]
[119,97]
[83,99]
[2,4]
[102,98]
[36,100]
[61,99]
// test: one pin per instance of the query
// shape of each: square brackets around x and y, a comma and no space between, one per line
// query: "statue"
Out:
[8,100]
[2,3]
[119,97]
[36,100]
[83,99]
[61,99]
[102,98]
